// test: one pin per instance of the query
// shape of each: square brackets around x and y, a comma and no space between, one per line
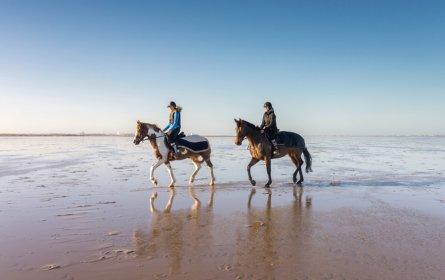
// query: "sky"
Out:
[328,67]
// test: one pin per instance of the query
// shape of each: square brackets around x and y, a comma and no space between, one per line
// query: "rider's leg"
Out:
[271,136]
[171,140]
[175,149]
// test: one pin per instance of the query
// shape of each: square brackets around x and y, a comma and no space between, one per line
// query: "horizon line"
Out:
[222,135]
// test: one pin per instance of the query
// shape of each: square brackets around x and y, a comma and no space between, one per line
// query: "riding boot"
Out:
[274,146]
[175,151]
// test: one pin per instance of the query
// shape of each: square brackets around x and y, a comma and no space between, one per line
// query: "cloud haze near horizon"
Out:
[353,68]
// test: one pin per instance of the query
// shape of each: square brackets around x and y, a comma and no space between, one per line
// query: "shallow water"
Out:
[83,204]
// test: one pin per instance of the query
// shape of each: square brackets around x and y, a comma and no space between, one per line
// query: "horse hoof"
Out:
[267,185]
[299,182]
[171,185]
[154,182]
[212,184]
[253,182]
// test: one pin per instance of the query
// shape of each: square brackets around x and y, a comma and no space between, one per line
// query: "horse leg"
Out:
[197,167]
[301,171]
[153,197]
[252,162]
[169,204]
[212,176]
[211,198]
[172,177]
[252,193]
[197,202]
[297,165]
[152,170]
[269,171]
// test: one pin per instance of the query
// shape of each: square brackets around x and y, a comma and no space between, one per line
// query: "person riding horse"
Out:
[174,126]
[269,125]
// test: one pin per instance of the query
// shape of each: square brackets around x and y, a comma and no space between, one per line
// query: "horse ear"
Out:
[138,121]
[236,120]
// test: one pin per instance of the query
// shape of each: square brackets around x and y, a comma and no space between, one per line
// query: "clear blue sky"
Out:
[329,67]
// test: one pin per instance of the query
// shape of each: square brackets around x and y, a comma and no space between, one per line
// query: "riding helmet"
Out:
[172,104]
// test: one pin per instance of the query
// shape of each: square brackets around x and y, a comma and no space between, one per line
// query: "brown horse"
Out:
[161,150]
[261,149]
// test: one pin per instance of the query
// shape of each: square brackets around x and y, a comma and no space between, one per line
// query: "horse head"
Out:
[144,130]
[141,132]
[243,129]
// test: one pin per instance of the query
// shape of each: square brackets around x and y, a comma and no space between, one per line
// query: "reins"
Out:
[146,137]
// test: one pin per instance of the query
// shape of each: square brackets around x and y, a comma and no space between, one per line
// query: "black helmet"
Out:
[268,105]
[172,104]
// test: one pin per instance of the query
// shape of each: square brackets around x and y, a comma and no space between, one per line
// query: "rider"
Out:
[269,125]
[174,125]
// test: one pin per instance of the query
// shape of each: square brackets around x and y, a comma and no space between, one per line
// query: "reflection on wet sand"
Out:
[260,240]
[273,235]
[269,239]
[173,233]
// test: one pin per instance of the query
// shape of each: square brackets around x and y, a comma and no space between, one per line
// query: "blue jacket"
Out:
[174,123]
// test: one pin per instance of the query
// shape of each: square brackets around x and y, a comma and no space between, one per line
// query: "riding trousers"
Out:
[270,134]
[173,135]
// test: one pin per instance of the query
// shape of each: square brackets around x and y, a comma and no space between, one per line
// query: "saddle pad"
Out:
[290,139]
[195,143]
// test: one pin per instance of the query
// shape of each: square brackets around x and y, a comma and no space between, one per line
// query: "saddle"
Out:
[290,139]
[194,143]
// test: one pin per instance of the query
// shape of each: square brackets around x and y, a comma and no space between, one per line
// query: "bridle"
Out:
[152,137]
[239,138]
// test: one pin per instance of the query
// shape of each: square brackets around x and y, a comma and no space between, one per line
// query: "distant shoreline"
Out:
[80,135]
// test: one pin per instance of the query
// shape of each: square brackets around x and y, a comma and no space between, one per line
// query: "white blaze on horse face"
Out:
[136,133]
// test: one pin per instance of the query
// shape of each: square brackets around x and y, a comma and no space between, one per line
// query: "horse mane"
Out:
[153,126]
[250,125]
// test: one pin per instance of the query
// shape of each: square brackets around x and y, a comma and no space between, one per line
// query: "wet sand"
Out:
[84,209]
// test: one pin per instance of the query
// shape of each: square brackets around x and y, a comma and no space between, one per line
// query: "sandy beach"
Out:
[83,208]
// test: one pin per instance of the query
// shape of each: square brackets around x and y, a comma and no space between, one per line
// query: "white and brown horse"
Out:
[161,151]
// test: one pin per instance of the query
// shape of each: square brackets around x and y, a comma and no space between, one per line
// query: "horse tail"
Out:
[308,158]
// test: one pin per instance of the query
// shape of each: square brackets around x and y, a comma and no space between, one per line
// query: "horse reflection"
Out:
[174,234]
[274,235]
[165,235]
[197,202]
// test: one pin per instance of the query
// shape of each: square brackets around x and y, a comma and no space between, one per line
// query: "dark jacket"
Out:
[269,123]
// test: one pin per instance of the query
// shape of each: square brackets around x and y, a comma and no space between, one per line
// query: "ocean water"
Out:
[370,161]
